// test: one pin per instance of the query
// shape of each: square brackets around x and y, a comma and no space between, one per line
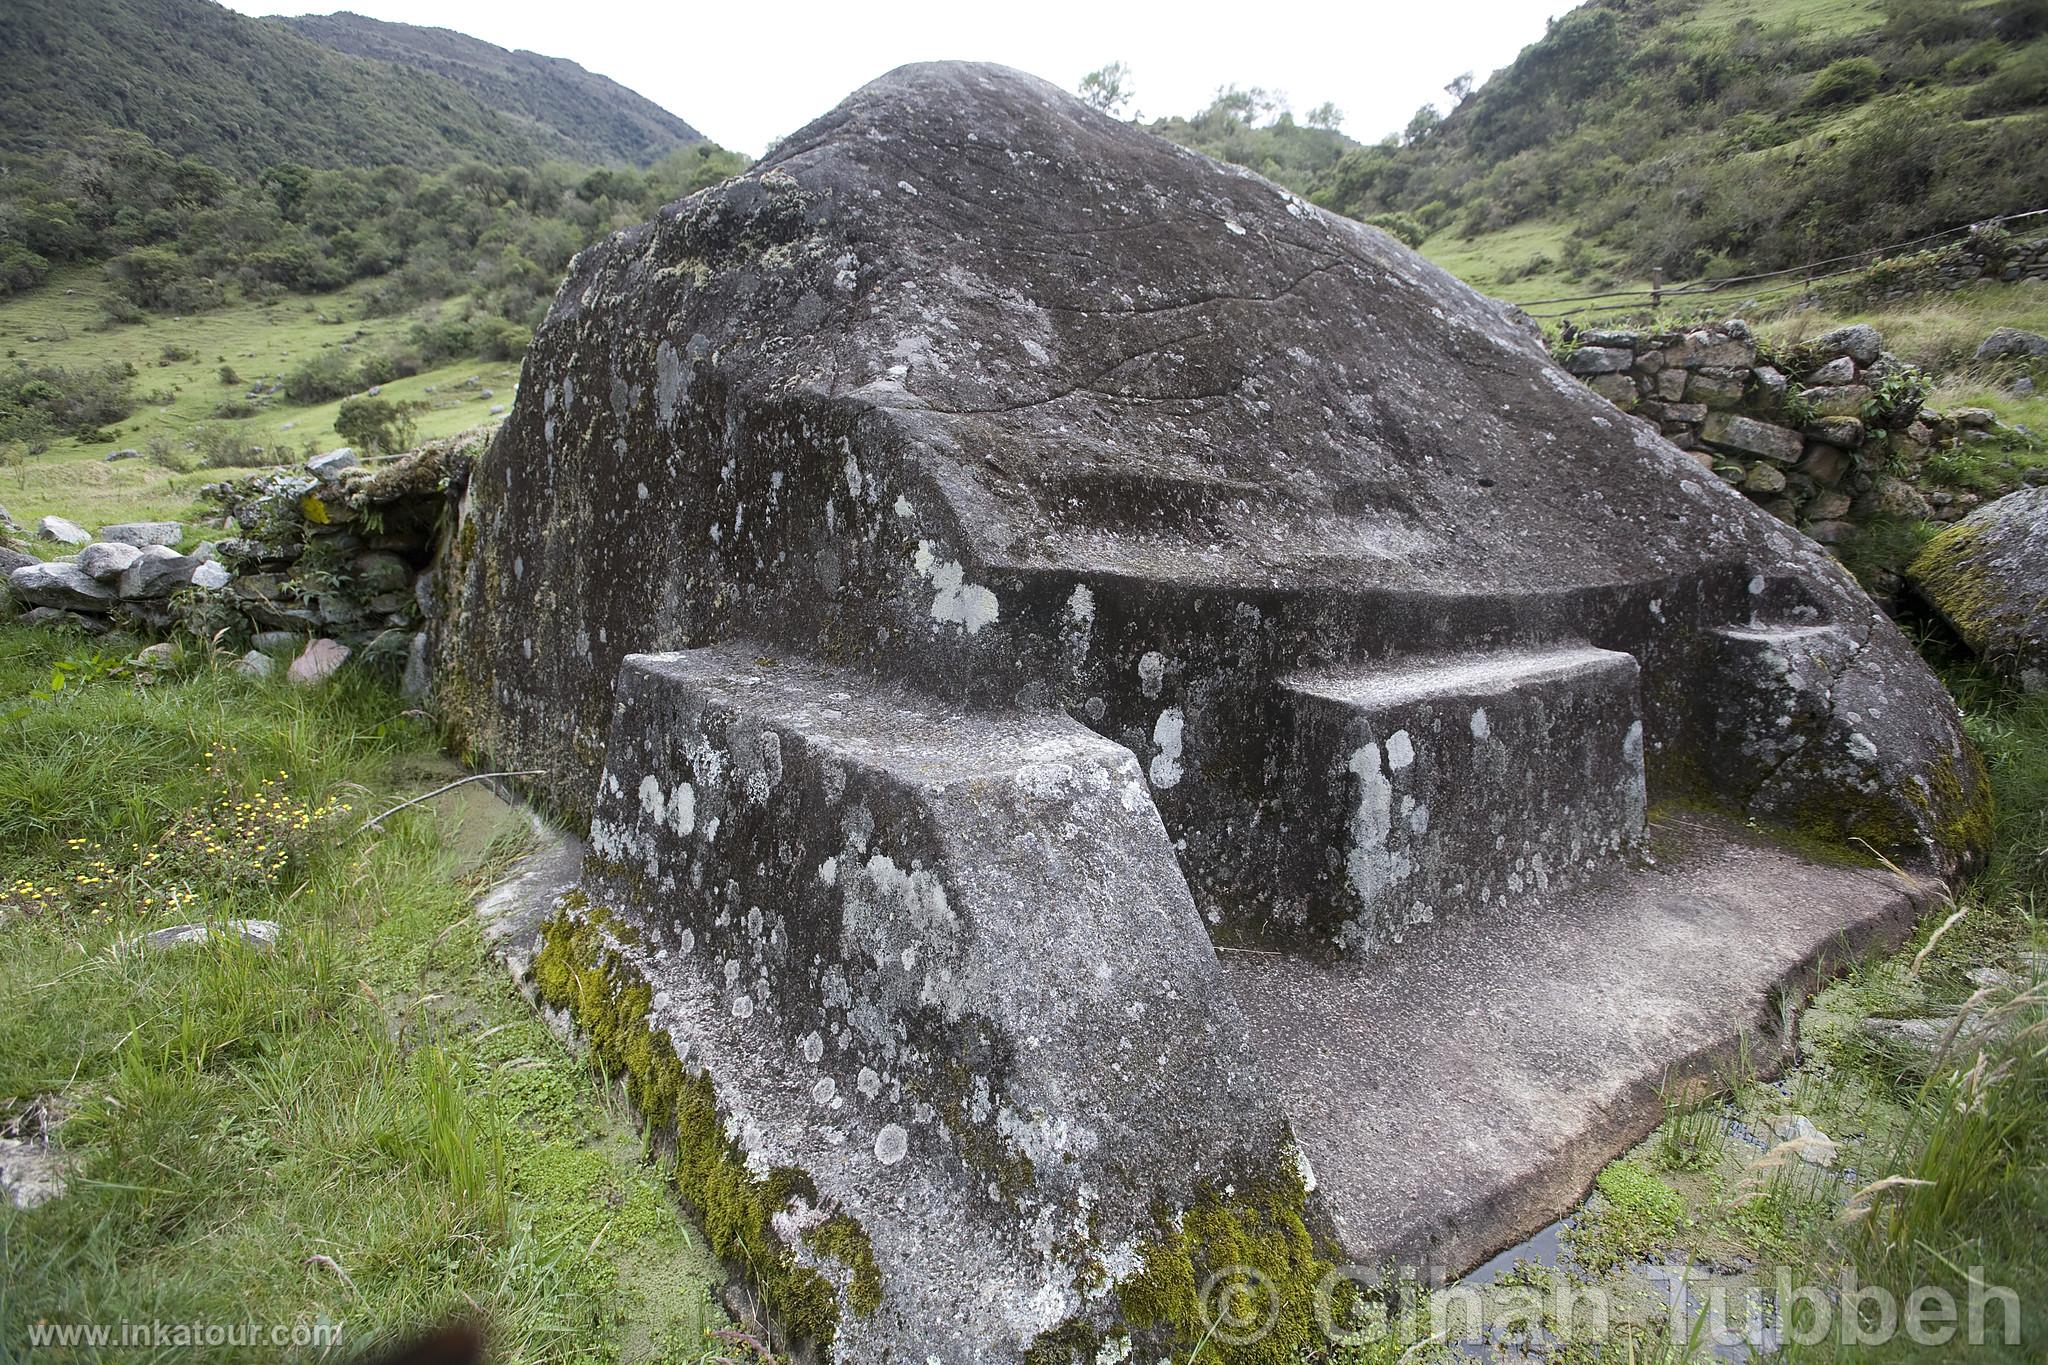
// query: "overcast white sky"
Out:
[744,72]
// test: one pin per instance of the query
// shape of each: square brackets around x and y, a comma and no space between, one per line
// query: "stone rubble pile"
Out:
[319,565]
[1825,435]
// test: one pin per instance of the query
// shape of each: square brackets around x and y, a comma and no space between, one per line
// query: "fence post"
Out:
[1656,287]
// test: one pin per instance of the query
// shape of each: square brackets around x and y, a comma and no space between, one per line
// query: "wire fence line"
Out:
[1795,277]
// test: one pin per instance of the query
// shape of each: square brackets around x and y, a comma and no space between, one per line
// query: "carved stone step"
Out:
[1464,784]
[943,964]
[1461,1092]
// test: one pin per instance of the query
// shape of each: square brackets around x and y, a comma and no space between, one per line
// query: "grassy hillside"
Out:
[194,428]
[595,119]
[1716,136]
[1697,137]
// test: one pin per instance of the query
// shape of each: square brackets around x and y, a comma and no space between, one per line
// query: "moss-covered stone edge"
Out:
[1948,573]
[576,971]
[1258,1241]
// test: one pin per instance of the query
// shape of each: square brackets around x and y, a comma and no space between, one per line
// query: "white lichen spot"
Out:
[828,871]
[892,1144]
[743,1007]
[651,799]
[682,809]
[1081,606]
[1862,748]
[1370,865]
[958,602]
[1166,733]
[1480,726]
[813,1047]
[904,510]
[824,1090]
[1151,672]
[668,383]
[1400,751]
[869,1082]
[906,187]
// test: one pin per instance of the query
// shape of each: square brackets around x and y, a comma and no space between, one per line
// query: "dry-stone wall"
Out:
[1988,253]
[1825,435]
[320,565]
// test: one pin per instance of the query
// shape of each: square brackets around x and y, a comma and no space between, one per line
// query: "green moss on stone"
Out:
[577,972]
[1261,1229]
[841,1238]
[1949,574]
[1963,805]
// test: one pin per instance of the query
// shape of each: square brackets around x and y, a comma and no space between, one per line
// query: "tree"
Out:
[1108,88]
[1459,88]
[1422,125]
[1325,115]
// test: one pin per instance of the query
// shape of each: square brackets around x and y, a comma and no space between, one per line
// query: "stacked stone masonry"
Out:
[1826,435]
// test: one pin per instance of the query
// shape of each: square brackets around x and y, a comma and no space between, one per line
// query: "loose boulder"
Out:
[332,463]
[62,585]
[1079,669]
[2012,342]
[157,572]
[107,560]
[141,533]
[1987,577]
[1859,342]
[62,531]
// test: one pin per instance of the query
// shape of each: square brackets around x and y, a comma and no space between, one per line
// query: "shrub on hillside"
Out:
[158,278]
[502,339]
[374,370]
[320,377]
[225,447]
[20,268]
[378,423]
[2021,83]
[1402,227]
[67,400]
[1851,80]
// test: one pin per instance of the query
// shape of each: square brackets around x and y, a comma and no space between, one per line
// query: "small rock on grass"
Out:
[32,1173]
[1815,1147]
[62,531]
[318,662]
[33,1170]
[255,933]
[255,664]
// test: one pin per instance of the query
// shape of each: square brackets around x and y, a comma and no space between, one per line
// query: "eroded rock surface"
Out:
[1049,553]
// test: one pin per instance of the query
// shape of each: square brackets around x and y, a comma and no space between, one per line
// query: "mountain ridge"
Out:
[554,92]
[243,94]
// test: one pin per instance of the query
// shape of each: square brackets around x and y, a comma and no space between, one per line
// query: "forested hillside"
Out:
[239,94]
[212,196]
[599,119]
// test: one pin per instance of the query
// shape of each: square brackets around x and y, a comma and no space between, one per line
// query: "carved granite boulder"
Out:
[1088,679]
